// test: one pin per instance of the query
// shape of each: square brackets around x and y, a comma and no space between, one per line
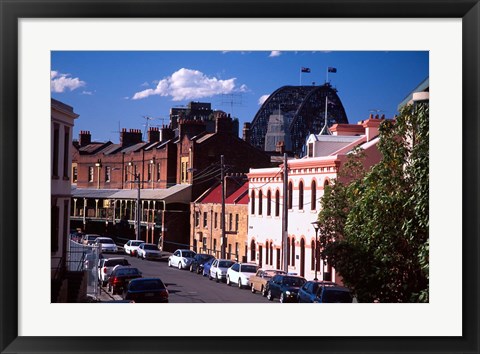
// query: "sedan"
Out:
[106,244]
[323,292]
[182,259]
[131,247]
[285,287]
[148,251]
[198,261]
[258,282]
[240,274]
[146,290]
[218,269]
[120,278]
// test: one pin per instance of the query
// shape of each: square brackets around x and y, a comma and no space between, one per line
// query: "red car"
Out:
[120,278]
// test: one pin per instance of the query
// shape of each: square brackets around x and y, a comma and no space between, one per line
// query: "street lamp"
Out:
[316,226]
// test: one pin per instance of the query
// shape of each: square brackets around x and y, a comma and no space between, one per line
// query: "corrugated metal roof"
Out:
[133,148]
[240,196]
[204,138]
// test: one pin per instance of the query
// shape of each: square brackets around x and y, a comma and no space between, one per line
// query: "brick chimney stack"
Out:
[223,124]
[85,137]
[246,132]
[190,128]
[153,135]
[166,133]
[133,136]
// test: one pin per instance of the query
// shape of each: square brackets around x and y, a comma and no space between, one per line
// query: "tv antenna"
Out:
[147,124]
[232,99]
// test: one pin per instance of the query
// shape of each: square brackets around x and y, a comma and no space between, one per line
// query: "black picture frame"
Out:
[11,11]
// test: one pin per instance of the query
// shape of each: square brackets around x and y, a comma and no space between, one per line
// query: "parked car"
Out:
[206,267]
[105,268]
[285,287]
[318,291]
[106,245]
[218,269]
[148,251]
[146,290]
[198,261]
[120,278]
[76,236]
[89,239]
[131,247]
[240,274]
[182,259]
[258,282]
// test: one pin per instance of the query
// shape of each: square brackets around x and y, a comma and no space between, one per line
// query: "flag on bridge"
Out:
[305,70]
[332,70]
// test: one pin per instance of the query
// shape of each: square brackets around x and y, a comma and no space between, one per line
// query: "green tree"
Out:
[374,225]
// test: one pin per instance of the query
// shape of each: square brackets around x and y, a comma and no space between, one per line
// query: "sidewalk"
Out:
[106,297]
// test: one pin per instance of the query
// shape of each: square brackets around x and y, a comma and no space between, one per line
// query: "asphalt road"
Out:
[186,287]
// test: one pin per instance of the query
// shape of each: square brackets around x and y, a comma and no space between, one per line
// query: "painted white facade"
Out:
[310,175]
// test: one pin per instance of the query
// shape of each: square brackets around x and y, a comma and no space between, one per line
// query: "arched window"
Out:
[277,203]
[313,196]
[300,196]
[290,195]
[288,250]
[293,252]
[312,260]
[252,201]
[302,257]
[266,252]
[271,253]
[260,202]
[253,251]
[269,203]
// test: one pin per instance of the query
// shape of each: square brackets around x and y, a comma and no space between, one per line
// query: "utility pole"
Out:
[222,219]
[285,214]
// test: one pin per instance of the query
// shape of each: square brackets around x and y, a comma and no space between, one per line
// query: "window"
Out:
[184,170]
[236,250]
[269,203]
[252,201]
[230,222]
[54,221]
[216,220]
[149,172]
[290,195]
[90,173]
[126,173]
[260,202]
[56,137]
[214,246]
[271,254]
[310,149]
[107,173]
[229,250]
[204,244]
[66,152]
[293,252]
[266,252]
[75,174]
[313,196]
[205,215]
[312,246]
[158,172]
[197,219]
[135,171]
[288,250]
[236,222]
[277,203]
[300,196]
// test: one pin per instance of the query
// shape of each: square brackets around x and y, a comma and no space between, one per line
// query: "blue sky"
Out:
[112,89]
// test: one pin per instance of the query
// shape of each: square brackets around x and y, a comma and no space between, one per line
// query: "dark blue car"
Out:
[284,287]
[206,267]
[199,260]
[317,291]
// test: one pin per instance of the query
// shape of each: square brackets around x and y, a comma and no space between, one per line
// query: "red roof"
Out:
[239,196]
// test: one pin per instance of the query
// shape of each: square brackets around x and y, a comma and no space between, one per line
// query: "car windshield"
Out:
[225,264]
[127,271]
[106,240]
[188,254]
[290,281]
[248,269]
[203,257]
[114,262]
[336,296]
[147,284]
[272,273]
[150,247]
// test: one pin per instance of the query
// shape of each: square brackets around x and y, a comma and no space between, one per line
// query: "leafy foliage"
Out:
[374,225]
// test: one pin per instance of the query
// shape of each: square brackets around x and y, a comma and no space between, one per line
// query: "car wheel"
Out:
[228,281]
[253,289]
[269,295]
[282,298]
[179,265]
[216,278]
[169,263]
[198,270]
[239,283]
[264,291]
[191,268]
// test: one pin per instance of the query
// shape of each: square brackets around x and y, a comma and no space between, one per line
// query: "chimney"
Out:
[85,137]
[246,132]
[372,127]
[166,133]
[153,135]
[190,128]
[133,136]
[223,124]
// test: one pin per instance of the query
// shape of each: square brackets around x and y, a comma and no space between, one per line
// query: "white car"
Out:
[148,251]
[240,274]
[131,247]
[218,270]
[181,259]
[105,268]
[106,244]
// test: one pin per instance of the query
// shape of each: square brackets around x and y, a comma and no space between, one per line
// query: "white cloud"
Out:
[126,98]
[275,53]
[89,93]
[262,99]
[60,82]
[145,84]
[187,84]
